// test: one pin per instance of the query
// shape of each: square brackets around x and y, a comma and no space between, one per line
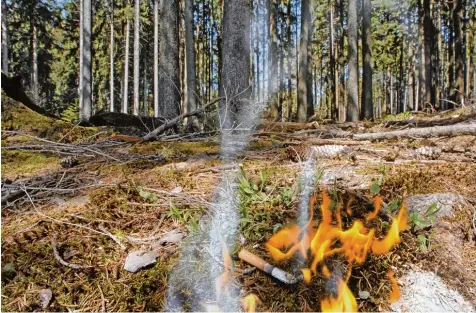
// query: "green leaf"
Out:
[375,187]
[9,268]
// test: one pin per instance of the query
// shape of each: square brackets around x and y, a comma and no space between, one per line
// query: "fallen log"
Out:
[118,119]
[435,131]
[13,88]
[428,123]
[176,120]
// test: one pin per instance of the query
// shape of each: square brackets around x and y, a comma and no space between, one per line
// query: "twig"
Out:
[63,262]
[112,237]
[169,124]
[103,300]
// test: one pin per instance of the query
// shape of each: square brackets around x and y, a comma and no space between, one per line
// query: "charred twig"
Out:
[63,262]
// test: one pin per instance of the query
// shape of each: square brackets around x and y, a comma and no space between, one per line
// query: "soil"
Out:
[143,191]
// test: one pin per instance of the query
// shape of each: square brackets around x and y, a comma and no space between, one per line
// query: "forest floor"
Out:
[80,196]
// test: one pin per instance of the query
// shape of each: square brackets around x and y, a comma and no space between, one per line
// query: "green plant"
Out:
[375,187]
[424,242]
[185,216]
[148,196]
[419,221]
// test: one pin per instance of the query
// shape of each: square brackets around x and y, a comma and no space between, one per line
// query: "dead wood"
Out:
[429,123]
[117,119]
[285,126]
[13,88]
[63,262]
[435,131]
[175,121]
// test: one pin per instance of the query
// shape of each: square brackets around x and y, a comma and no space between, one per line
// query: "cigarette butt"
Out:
[252,259]
[270,269]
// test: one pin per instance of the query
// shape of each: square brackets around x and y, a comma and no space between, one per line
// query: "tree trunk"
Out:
[310,100]
[87,62]
[156,58]
[111,60]
[136,55]
[169,67]
[341,64]
[273,59]
[34,64]
[428,31]
[125,96]
[332,61]
[303,61]
[81,51]
[458,92]
[235,74]
[353,84]
[367,98]
[4,38]
[191,87]
[289,63]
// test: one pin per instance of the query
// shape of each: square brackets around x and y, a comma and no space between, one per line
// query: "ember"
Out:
[331,239]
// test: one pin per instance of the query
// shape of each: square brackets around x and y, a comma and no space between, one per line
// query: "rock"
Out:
[140,259]
[425,292]
[432,153]
[45,296]
[364,295]
[330,151]
[177,189]
[173,236]
[445,203]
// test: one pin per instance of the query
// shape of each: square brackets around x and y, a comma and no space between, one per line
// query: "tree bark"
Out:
[156,58]
[273,59]
[191,87]
[303,61]
[136,55]
[352,84]
[332,61]
[235,73]
[169,52]
[4,37]
[34,64]
[86,109]
[81,40]
[341,63]
[428,31]
[288,58]
[435,131]
[125,96]
[458,91]
[367,98]
[111,59]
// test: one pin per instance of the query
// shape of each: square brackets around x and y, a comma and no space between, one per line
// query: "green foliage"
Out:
[187,216]
[427,219]
[400,116]
[424,241]
[375,187]
[148,196]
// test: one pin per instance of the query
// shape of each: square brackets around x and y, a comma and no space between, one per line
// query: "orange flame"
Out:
[395,292]
[377,206]
[306,274]
[393,237]
[249,302]
[345,301]
[329,239]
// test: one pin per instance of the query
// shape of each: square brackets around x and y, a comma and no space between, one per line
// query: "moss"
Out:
[23,162]
[18,117]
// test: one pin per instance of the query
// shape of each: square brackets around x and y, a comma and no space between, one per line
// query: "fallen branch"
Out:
[63,262]
[173,122]
[435,131]
[429,123]
[13,88]
[104,230]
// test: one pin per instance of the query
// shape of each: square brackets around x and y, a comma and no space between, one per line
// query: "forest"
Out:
[353,60]
[238,155]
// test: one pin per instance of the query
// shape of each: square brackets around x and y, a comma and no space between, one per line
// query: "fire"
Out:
[249,302]
[330,238]
[345,301]
[393,237]
[395,292]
